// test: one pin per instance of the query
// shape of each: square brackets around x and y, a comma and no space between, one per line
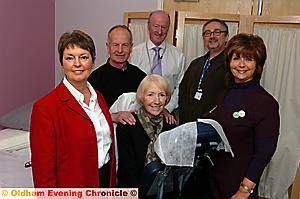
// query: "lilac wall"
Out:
[26,51]
[30,30]
[95,17]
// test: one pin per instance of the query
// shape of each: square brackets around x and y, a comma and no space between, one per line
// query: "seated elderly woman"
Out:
[136,142]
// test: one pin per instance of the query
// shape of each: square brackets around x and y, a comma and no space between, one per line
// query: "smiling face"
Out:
[119,47]
[158,27]
[155,99]
[242,68]
[245,58]
[77,65]
[214,43]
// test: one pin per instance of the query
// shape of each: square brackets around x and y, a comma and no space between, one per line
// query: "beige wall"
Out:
[281,7]
[211,6]
[243,7]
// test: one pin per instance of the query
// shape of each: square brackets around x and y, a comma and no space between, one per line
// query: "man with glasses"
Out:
[204,78]
[159,57]
[198,90]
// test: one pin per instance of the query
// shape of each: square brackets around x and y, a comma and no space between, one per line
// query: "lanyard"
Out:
[205,68]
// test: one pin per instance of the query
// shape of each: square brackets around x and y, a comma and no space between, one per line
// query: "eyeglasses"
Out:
[216,32]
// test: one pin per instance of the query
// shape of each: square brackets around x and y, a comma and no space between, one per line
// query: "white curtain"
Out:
[193,46]
[139,32]
[281,79]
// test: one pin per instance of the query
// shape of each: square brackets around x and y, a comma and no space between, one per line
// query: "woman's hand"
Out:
[123,117]
[245,189]
[170,119]
[241,194]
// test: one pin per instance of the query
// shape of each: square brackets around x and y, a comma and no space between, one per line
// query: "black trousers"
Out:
[104,175]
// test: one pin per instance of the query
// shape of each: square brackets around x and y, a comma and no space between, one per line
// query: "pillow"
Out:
[18,118]
[10,138]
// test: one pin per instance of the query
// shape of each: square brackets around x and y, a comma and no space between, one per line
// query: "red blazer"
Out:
[63,142]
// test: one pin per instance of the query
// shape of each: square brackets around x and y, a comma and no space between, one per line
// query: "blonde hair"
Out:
[159,81]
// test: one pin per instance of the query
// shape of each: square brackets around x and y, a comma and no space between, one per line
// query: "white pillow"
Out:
[18,118]
[10,138]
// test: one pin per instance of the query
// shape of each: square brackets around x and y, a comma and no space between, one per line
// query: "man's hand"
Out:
[123,117]
[170,119]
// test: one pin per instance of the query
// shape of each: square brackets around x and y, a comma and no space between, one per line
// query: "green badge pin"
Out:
[235,115]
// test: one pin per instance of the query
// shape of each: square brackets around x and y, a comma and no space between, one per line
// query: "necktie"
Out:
[156,61]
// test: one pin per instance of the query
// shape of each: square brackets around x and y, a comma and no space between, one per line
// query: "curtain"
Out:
[280,78]
[193,46]
[139,32]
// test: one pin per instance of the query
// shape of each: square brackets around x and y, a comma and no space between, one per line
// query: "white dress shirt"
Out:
[95,113]
[172,62]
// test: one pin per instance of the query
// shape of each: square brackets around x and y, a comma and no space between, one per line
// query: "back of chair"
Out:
[295,194]
[207,138]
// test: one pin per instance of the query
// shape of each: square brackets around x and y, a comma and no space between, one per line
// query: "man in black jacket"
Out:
[202,83]
[117,76]
[204,78]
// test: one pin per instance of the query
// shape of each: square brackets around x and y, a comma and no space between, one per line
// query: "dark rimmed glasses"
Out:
[216,32]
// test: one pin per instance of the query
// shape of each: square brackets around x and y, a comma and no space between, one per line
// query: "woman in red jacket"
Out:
[71,132]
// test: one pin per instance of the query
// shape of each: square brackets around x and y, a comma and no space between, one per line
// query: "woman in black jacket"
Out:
[136,142]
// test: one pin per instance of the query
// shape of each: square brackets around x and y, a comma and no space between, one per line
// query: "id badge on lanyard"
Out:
[199,91]
[198,94]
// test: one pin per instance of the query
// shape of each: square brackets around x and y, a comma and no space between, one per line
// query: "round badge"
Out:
[235,115]
[242,113]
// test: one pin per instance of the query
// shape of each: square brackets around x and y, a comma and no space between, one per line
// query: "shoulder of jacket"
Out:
[48,100]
